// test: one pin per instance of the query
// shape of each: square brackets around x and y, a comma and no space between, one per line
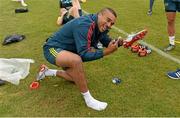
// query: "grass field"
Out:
[145,89]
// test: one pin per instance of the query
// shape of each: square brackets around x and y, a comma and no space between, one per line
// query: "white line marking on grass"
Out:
[160,52]
[119,30]
[85,12]
[177,42]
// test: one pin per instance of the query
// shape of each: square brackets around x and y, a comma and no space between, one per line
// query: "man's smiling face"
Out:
[106,20]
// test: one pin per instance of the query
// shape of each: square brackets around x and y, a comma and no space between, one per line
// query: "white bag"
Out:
[14,69]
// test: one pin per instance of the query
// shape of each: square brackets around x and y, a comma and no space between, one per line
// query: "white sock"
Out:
[93,103]
[51,72]
[23,3]
[171,40]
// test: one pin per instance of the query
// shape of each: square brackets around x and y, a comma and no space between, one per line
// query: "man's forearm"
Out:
[106,51]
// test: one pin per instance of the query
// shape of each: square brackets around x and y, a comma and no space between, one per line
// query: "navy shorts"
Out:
[50,53]
[172,6]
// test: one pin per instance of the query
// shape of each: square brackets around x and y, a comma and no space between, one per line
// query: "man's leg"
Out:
[171,30]
[74,66]
[59,21]
[45,71]
[151,2]
[76,3]
[74,11]
[171,23]
[75,72]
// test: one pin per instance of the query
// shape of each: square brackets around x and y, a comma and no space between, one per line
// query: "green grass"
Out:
[145,89]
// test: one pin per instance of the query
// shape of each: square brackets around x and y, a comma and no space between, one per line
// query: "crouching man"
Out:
[75,43]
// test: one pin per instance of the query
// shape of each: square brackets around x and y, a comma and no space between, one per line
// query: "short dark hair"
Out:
[108,9]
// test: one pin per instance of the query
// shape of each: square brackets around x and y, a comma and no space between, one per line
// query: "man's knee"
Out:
[171,21]
[77,61]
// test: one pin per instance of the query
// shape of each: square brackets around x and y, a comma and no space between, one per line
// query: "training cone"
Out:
[34,85]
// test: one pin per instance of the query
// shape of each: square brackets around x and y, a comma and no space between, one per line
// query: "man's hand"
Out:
[113,46]
[120,41]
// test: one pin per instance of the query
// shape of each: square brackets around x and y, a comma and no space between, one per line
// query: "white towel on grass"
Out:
[14,69]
